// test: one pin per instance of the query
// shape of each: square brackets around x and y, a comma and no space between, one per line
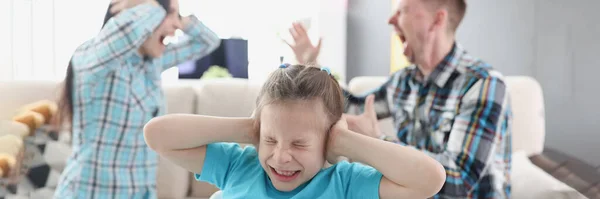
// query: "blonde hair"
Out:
[300,82]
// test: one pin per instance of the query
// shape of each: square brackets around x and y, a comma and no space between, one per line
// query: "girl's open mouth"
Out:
[284,175]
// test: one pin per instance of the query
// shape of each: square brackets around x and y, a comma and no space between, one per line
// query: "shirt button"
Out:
[155,113]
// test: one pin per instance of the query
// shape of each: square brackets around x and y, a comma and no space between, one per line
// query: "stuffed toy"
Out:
[32,119]
[15,128]
[10,148]
[46,108]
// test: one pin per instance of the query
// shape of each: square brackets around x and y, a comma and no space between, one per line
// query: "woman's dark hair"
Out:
[66,99]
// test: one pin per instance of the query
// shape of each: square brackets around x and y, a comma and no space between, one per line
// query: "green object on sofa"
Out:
[215,72]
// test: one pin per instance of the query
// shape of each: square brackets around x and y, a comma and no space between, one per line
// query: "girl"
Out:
[113,88]
[297,125]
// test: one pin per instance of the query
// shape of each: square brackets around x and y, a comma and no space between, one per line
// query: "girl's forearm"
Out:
[184,131]
[404,166]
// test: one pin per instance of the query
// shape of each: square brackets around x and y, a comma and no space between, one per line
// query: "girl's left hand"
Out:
[340,127]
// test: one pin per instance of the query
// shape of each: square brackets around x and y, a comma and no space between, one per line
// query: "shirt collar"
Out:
[443,70]
[136,58]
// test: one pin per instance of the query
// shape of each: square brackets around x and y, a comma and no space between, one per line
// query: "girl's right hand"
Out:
[120,5]
[338,128]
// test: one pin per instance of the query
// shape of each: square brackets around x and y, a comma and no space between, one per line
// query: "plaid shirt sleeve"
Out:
[200,41]
[355,103]
[121,36]
[477,130]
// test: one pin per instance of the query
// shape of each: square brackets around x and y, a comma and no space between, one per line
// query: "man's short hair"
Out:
[456,10]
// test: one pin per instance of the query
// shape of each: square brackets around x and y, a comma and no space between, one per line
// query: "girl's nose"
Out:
[282,155]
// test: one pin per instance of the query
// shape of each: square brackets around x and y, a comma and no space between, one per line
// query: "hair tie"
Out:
[283,65]
[326,70]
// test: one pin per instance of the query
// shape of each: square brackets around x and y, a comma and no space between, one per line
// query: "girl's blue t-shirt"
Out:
[238,173]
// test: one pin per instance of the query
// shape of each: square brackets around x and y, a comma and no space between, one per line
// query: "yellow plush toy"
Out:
[14,128]
[47,108]
[10,147]
[32,119]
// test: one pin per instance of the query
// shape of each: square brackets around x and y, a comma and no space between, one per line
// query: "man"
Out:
[448,104]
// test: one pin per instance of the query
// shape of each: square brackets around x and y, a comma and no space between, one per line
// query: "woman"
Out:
[113,88]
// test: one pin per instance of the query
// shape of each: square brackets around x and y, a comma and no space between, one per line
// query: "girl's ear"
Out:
[255,133]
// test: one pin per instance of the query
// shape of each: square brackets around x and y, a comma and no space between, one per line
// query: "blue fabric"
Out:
[115,92]
[238,173]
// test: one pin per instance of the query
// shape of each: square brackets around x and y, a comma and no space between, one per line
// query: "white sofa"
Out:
[236,97]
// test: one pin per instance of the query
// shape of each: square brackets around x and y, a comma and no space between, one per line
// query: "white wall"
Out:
[6,55]
[332,27]
[42,35]
[501,33]
[38,37]
[368,38]
[555,41]
[567,65]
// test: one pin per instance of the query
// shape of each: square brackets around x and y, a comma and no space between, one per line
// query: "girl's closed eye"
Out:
[300,144]
[270,140]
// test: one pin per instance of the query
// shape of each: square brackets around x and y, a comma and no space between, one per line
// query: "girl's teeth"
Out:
[285,173]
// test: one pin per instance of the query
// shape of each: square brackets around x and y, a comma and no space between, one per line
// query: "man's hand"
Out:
[365,123]
[120,5]
[303,48]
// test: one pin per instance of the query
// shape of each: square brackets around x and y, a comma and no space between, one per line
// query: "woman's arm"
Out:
[182,138]
[120,37]
[200,41]
[407,173]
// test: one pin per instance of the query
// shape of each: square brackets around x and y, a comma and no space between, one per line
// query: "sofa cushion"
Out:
[19,93]
[179,98]
[173,180]
[226,97]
